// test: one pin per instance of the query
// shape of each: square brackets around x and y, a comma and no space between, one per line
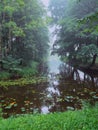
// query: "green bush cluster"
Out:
[4,75]
[29,71]
[13,70]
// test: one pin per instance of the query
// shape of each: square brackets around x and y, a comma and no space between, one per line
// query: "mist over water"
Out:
[53,60]
[54,63]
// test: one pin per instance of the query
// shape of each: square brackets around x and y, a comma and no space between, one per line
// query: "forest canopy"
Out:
[23,36]
[77,30]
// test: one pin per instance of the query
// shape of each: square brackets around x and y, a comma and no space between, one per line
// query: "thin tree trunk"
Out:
[0,36]
[93,61]
[0,39]
[97,41]
[0,47]
[9,44]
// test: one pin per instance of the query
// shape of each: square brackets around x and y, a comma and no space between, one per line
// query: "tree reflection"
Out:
[69,72]
[75,88]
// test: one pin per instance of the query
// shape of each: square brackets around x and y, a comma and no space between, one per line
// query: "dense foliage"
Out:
[23,37]
[77,30]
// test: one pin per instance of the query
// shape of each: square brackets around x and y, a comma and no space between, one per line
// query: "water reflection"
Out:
[63,91]
[20,100]
[67,71]
[75,87]
[54,64]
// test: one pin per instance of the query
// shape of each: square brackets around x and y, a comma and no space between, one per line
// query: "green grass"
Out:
[72,120]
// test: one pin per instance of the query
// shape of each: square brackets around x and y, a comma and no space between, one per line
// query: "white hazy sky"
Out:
[45,2]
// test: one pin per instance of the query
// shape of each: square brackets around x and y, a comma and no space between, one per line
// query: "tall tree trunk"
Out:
[0,46]
[0,36]
[9,42]
[2,20]
[93,61]
[97,41]
[0,39]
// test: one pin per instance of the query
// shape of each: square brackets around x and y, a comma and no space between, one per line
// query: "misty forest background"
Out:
[23,38]
[77,31]
[24,35]
[25,46]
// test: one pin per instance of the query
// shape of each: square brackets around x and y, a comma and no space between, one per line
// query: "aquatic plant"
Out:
[22,81]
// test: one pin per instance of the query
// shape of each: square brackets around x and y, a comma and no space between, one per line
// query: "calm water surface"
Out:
[66,89]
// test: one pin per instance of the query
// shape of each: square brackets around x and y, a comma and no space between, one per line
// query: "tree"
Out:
[24,33]
[73,36]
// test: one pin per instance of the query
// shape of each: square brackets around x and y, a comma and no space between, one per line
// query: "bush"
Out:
[12,69]
[4,75]
[29,71]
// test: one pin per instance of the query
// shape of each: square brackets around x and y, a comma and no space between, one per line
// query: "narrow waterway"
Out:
[66,89]
[52,89]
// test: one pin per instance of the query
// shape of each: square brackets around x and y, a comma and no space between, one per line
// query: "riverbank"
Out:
[86,119]
[22,81]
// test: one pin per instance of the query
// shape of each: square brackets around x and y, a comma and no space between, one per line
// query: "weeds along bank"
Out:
[86,119]
[22,81]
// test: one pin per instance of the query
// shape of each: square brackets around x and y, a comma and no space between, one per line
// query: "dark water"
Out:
[66,89]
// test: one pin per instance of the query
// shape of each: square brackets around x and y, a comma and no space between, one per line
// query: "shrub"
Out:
[4,75]
[29,71]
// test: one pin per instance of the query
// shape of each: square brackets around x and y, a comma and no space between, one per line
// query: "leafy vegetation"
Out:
[23,36]
[4,75]
[72,120]
[76,30]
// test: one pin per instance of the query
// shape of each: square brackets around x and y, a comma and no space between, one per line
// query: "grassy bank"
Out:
[72,120]
[22,81]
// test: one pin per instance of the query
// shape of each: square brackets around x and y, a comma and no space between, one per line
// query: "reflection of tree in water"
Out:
[74,89]
[64,91]
[69,72]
